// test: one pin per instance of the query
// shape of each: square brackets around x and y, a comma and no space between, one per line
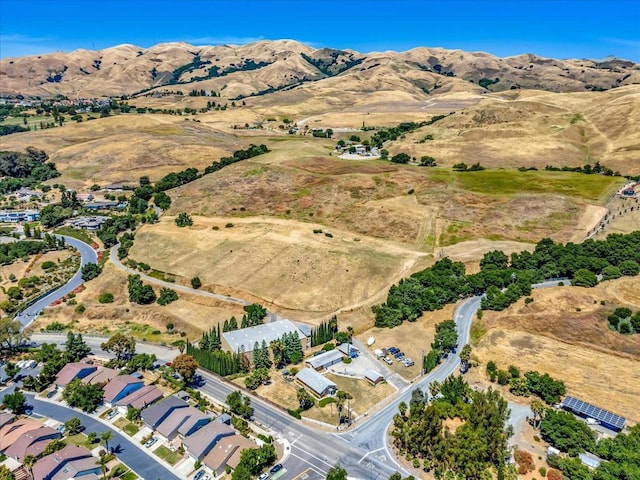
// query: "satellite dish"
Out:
[371,341]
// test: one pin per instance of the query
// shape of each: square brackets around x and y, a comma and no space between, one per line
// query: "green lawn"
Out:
[167,455]
[75,233]
[80,440]
[511,182]
[131,429]
[129,476]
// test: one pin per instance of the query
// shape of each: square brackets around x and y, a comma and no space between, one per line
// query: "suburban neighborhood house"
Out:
[244,339]
[120,387]
[227,452]
[173,417]
[70,462]
[139,399]
[200,443]
[317,383]
[71,371]
[27,439]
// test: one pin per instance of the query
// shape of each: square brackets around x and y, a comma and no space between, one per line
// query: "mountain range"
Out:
[264,68]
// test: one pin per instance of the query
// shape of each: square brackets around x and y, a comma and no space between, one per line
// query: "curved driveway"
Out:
[87,255]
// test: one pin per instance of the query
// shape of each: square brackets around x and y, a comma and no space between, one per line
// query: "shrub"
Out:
[196,282]
[48,265]
[542,471]
[106,297]
[229,225]
[80,308]
[554,475]
[294,413]
[347,361]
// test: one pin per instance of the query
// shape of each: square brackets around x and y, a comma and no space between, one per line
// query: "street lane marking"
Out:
[311,467]
[313,456]
[369,453]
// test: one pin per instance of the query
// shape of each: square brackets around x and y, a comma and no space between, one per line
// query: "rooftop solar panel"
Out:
[592,411]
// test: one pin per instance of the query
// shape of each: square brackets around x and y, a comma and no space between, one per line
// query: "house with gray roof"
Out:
[201,442]
[70,462]
[183,422]
[317,383]
[155,414]
[324,360]
[349,350]
[120,387]
[71,371]
[139,399]
[373,377]
[244,339]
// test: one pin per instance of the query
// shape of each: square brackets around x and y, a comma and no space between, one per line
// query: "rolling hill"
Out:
[265,67]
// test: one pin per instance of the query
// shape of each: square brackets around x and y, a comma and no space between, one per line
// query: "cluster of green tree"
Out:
[90,271]
[162,200]
[138,292]
[330,66]
[9,129]
[623,320]
[565,432]
[401,158]
[202,92]
[217,361]
[176,179]
[487,82]
[11,334]
[9,252]
[320,133]
[140,361]
[287,350]
[126,242]
[427,161]
[596,169]
[393,133]
[239,404]
[113,226]
[253,461]
[19,169]
[261,359]
[85,396]
[446,282]
[211,340]
[238,155]
[259,376]
[463,167]
[532,383]
[183,220]
[189,67]
[123,347]
[167,295]
[445,340]
[324,332]
[255,315]
[52,215]
[476,449]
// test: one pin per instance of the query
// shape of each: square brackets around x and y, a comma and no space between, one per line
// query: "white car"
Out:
[263,476]
[388,361]
[112,414]
[150,442]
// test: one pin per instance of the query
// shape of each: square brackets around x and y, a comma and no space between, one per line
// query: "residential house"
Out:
[15,216]
[71,371]
[70,462]
[317,383]
[590,460]
[223,418]
[155,414]
[6,418]
[324,360]
[101,376]
[11,431]
[373,377]
[120,387]
[201,442]
[31,442]
[139,399]
[183,422]
[226,452]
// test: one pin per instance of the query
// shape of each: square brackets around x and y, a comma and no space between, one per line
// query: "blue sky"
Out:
[551,28]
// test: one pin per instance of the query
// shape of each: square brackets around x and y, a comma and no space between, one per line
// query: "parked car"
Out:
[276,468]
[199,475]
[112,414]
[407,362]
[393,350]
[263,476]
[61,429]
[150,442]
[387,360]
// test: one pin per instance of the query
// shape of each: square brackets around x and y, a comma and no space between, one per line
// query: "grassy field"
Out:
[511,182]
[81,235]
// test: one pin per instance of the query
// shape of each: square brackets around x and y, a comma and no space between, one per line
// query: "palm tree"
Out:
[29,461]
[538,409]
[105,437]
[102,462]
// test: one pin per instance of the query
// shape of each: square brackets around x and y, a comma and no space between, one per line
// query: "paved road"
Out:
[87,255]
[113,256]
[127,451]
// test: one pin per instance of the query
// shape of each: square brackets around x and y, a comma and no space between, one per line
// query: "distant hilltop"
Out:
[267,67]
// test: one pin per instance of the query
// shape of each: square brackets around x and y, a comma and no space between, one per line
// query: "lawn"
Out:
[80,439]
[511,182]
[131,429]
[75,233]
[167,455]
[129,476]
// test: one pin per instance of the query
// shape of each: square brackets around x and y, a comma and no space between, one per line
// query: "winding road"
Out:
[362,450]
[87,255]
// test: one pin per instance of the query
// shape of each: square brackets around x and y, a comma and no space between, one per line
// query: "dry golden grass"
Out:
[190,313]
[122,148]
[280,261]
[609,381]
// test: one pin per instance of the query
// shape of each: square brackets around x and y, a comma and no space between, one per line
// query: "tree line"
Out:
[505,279]
[325,332]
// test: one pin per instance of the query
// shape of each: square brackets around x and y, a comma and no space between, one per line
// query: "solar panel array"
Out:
[592,411]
